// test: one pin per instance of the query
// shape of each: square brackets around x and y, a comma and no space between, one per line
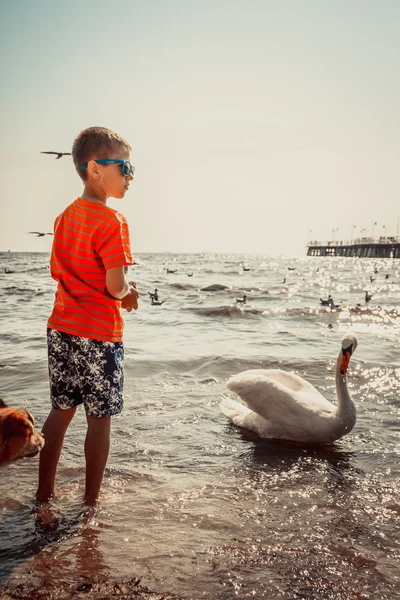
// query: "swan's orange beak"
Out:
[345,361]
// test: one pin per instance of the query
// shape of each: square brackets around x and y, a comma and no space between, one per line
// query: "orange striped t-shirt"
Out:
[89,237]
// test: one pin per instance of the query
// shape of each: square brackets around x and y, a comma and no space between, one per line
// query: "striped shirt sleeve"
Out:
[115,250]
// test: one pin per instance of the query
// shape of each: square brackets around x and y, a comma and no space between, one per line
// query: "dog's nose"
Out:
[33,453]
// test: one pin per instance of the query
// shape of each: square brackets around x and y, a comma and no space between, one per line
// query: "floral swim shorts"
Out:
[83,370]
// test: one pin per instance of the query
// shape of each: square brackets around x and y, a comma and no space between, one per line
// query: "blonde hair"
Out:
[94,143]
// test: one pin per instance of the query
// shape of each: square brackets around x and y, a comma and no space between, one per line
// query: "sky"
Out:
[255,125]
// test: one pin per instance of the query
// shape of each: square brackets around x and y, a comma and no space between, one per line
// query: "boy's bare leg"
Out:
[54,431]
[97,446]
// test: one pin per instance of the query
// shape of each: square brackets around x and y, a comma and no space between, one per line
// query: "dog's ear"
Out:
[16,423]
[2,404]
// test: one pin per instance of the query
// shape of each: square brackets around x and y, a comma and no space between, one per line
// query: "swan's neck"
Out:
[345,404]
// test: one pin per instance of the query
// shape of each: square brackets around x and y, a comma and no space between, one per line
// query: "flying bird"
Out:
[40,233]
[59,154]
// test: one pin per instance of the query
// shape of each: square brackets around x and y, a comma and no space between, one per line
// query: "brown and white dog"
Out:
[18,437]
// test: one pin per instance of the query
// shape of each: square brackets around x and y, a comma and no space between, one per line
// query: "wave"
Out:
[215,287]
[11,271]
[14,290]
[219,287]
[205,367]
[213,369]
[43,268]
[381,312]
[311,313]
[254,290]
[182,286]
[228,311]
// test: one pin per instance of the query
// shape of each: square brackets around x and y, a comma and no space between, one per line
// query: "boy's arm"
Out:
[119,287]
[116,282]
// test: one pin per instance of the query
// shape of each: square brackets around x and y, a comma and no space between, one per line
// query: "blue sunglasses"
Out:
[126,166]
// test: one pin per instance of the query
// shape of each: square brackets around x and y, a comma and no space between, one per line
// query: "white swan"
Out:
[282,405]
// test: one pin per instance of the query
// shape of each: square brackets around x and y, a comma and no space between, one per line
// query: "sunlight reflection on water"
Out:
[191,504]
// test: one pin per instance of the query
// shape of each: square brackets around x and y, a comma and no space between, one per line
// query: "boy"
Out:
[90,255]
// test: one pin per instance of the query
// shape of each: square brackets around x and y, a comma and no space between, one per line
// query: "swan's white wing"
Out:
[286,378]
[242,416]
[234,410]
[275,400]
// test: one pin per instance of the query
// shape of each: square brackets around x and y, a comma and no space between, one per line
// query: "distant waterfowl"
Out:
[246,268]
[291,268]
[282,405]
[59,154]
[40,233]
[387,276]
[154,295]
[242,300]
[189,274]
[327,302]
[156,302]
[368,296]
[171,271]
[8,271]
[371,278]
[284,280]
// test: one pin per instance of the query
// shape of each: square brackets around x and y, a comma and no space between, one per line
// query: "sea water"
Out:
[191,504]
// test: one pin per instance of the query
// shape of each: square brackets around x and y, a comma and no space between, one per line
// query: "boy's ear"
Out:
[93,169]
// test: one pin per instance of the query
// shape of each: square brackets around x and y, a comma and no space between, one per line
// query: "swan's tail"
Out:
[242,416]
[235,411]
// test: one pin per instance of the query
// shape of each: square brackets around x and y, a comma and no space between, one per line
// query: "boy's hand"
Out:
[130,301]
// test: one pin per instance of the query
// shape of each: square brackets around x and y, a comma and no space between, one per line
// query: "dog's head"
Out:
[18,437]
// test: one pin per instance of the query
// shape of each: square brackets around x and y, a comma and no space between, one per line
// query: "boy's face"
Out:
[110,178]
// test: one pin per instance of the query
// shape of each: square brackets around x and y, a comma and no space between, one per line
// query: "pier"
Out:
[382,247]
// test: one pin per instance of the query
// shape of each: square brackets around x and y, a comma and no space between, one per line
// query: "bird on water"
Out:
[282,405]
